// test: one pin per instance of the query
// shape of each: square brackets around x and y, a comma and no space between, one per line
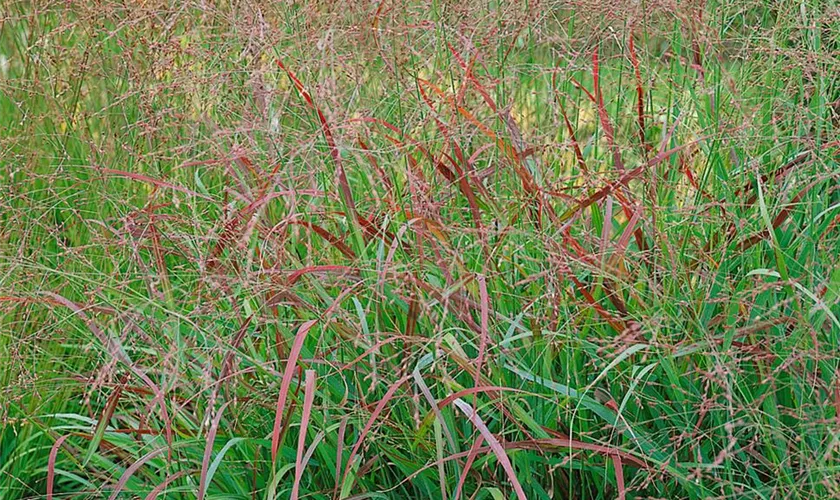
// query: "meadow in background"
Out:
[385,249]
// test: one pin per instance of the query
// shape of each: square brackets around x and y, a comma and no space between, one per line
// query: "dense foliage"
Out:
[419,249]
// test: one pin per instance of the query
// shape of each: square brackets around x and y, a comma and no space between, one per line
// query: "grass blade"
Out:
[102,424]
[473,454]
[131,470]
[602,112]
[640,93]
[208,451]
[51,465]
[343,183]
[308,398]
[115,349]
[500,453]
[389,394]
[157,490]
[485,319]
[291,363]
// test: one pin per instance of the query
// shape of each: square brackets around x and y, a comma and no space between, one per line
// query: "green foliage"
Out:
[185,185]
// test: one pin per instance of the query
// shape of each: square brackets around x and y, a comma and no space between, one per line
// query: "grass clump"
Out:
[419,250]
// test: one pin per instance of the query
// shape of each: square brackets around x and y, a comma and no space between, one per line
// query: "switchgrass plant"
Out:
[437,249]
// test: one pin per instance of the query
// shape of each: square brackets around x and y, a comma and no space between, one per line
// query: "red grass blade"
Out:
[494,445]
[162,486]
[461,179]
[51,465]
[208,451]
[485,319]
[377,14]
[624,179]
[413,163]
[780,218]
[490,389]
[308,398]
[474,451]
[318,269]
[468,71]
[778,174]
[602,112]
[615,323]
[525,176]
[373,230]
[131,470]
[342,428]
[517,150]
[382,175]
[343,184]
[837,396]
[373,349]
[116,350]
[104,418]
[373,416]
[160,263]
[640,95]
[583,89]
[411,319]
[424,389]
[619,477]
[153,181]
[545,445]
[628,231]
[572,136]
[291,362]
[323,233]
